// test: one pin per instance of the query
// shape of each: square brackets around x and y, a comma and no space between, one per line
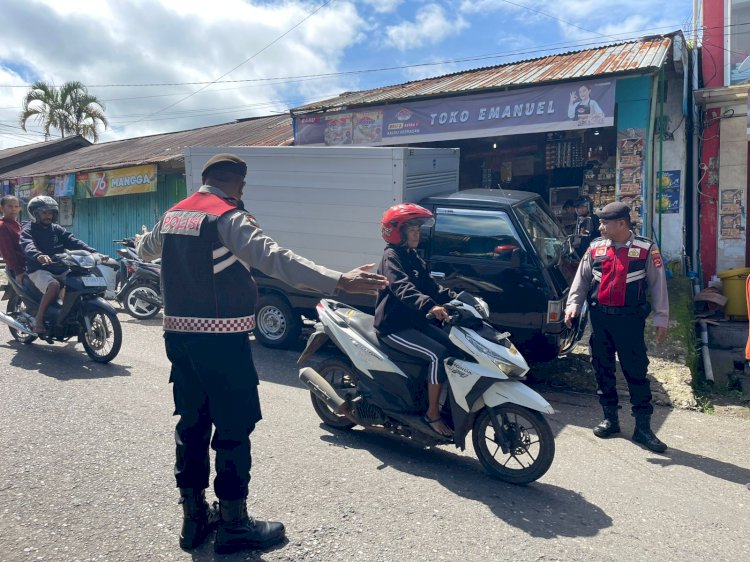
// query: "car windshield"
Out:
[546,234]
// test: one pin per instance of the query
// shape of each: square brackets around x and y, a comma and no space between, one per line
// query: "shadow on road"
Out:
[206,553]
[712,467]
[62,361]
[539,509]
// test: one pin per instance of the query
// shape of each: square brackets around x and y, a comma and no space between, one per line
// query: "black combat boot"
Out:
[645,436]
[199,519]
[609,425]
[238,531]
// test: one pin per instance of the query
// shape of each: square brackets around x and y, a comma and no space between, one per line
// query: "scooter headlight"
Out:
[86,261]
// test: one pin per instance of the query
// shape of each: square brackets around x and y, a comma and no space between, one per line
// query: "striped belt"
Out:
[209,325]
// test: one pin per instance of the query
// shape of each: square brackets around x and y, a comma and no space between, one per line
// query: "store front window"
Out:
[739,42]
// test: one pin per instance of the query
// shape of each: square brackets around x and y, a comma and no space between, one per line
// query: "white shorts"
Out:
[41,278]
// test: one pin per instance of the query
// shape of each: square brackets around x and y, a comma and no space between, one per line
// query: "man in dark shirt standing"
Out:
[10,234]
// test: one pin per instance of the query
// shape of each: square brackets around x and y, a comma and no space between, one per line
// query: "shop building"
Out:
[607,123]
[723,130]
[107,191]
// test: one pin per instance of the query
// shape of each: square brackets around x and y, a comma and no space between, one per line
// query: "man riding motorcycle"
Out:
[41,239]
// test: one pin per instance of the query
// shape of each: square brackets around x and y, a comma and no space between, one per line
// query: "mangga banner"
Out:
[123,181]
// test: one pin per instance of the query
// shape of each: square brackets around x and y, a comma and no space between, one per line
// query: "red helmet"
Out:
[395,218]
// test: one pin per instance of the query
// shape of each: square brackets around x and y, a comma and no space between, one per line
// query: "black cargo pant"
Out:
[623,334]
[214,385]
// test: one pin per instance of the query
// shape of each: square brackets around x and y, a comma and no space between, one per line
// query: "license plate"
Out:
[93,281]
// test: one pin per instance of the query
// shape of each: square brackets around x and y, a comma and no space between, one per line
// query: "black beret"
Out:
[614,211]
[226,163]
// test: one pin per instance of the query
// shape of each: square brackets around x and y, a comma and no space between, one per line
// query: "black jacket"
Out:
[37,240]
[411,292]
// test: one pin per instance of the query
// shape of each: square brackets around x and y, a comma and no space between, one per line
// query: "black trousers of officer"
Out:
[215,385]
[623,334]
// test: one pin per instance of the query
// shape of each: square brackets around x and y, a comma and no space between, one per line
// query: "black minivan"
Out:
[506,247]
[501,245]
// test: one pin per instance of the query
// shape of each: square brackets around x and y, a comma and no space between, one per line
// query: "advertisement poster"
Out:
[338,129]
[631,145]
[368,127]
[64,185]
[24,187]
[558,107]
[730,226]
[124,181]
[670,192]
[731,201]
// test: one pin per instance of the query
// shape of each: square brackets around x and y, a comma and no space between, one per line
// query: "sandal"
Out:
[439,422]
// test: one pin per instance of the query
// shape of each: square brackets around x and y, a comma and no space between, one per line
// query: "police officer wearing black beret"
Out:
[615,275]
[208,244]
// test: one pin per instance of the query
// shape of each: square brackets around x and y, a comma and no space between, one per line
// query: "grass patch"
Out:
[682,313]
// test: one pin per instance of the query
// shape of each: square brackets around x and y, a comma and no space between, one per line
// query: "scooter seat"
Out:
[31,290]
[363,324]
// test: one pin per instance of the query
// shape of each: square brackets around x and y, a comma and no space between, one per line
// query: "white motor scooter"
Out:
[376,386]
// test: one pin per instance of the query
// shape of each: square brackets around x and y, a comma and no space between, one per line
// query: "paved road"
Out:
[85,474]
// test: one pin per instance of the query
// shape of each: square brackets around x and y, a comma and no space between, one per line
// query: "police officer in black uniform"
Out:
[615,275]
[208,244]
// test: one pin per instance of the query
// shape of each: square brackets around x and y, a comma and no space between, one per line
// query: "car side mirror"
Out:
[517,258]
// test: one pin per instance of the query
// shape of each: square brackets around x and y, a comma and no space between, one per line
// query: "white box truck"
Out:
[326,204]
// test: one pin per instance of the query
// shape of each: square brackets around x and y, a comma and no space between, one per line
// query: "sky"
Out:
[168,65]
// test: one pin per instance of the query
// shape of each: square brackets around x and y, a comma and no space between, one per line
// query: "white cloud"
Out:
[429,27]
[174,41]
[383,6]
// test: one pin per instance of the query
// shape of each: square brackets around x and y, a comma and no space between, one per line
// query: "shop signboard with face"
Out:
[557,107]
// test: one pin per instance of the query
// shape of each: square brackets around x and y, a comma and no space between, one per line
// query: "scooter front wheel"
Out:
[101,335]
[524,450]
[340,376]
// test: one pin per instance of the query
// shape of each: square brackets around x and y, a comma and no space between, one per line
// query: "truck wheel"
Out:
[276,324]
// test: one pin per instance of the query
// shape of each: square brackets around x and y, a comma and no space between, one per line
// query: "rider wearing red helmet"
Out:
[400,313]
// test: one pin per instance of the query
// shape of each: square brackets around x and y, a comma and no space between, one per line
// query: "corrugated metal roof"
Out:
[22,155]
[159,149]
[641,55]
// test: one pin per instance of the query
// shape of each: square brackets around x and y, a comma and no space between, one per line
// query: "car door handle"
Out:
[437,275]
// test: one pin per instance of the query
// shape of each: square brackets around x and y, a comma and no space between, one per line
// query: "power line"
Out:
[305,77]
[279,38]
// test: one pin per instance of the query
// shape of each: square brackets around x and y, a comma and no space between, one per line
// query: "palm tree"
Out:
[70,109]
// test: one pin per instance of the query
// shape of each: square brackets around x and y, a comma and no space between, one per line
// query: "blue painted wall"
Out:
[633,99]
[99,221]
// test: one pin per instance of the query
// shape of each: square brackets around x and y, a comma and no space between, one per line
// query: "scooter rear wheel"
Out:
[340,376]
[532,444]
[16,308]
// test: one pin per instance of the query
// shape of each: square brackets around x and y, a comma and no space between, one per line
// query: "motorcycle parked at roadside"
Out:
[141,293]
[82,314]
[379,388]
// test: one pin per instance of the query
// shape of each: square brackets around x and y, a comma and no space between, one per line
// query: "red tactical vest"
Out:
[619,275]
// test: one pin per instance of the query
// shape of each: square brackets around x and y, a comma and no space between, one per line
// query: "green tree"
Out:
[70,109]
